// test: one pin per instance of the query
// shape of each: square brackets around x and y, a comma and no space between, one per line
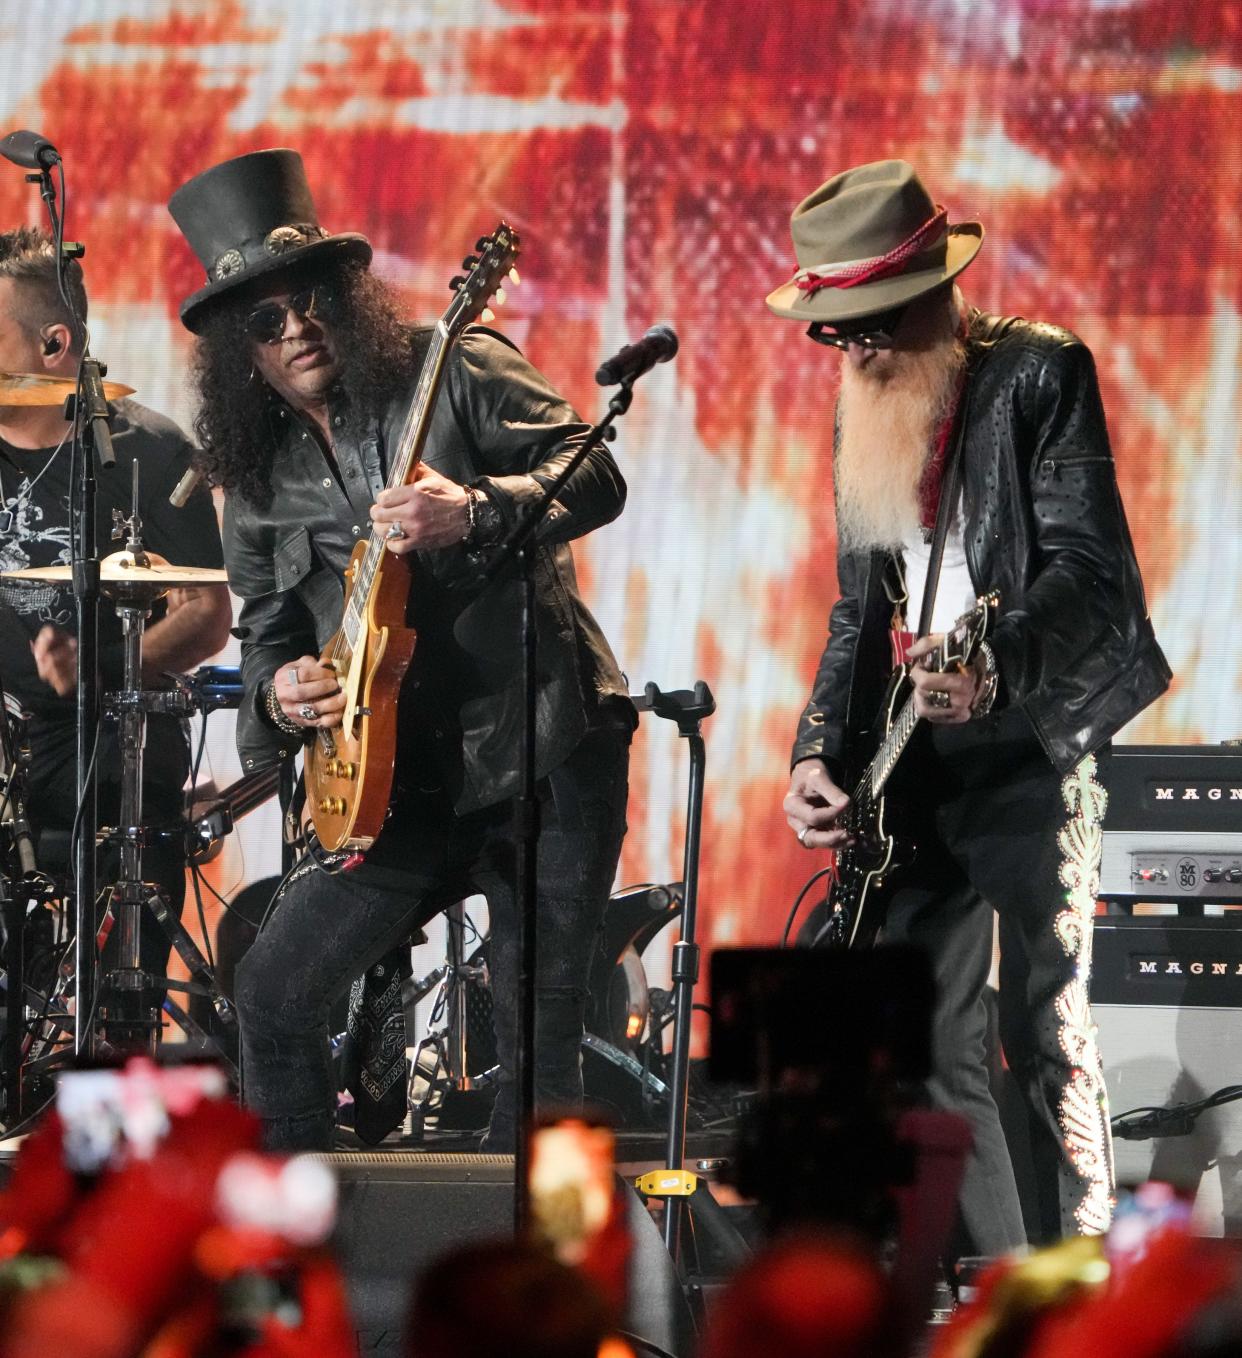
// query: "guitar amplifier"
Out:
[1173,829]
[1166,993]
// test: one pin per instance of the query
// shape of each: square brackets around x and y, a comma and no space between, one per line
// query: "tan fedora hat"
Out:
[868,240]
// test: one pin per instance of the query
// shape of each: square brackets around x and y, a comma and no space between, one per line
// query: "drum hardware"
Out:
[212,820]
[38,389]
[128,1010]
[32,923]
[448,1071]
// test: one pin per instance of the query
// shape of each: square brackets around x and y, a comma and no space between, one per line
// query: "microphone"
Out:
[29,150]
[658,345]
[185,488]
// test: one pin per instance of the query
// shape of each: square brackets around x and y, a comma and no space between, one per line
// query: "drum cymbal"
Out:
[36,389]
[119,569]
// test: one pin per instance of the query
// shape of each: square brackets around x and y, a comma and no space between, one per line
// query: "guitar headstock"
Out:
[488,270]
[961,643]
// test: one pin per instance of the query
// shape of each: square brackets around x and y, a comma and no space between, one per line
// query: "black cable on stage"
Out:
[642,1343]
[1140,1124]
[797,905]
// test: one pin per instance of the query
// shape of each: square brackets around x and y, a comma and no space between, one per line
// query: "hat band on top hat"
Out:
[850,273]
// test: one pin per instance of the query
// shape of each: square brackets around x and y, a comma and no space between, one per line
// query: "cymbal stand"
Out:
[448,1045]
[129,1012]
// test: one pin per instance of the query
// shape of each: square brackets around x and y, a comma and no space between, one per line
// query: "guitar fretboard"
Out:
[409,450]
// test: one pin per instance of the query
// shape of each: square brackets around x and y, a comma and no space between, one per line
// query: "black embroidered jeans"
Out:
[997,829]
[326,928]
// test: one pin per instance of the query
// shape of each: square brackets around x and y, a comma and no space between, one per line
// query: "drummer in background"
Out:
[38,645]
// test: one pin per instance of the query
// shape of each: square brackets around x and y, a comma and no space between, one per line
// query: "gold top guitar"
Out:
[855,913]
[349,769]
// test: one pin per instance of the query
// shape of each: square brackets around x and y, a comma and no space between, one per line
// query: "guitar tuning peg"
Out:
[501,299]
[482,243]
[487,314]
[513,277]
[455,282]
[470,261]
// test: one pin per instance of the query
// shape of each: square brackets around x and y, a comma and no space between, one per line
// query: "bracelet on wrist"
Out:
[275,714]
[472,501]
[986,695]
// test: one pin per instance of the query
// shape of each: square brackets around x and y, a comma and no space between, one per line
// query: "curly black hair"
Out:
[235,426]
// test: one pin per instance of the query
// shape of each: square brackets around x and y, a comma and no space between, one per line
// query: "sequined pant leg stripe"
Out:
[1083,1109]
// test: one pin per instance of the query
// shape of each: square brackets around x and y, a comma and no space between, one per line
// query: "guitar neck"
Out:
[876,774]
[409,449]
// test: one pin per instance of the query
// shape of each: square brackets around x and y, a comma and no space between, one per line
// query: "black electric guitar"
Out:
[854,906]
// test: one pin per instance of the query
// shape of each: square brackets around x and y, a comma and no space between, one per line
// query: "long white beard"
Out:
[888,424]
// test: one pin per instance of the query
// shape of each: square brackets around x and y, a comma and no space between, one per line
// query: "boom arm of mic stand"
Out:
[512,544]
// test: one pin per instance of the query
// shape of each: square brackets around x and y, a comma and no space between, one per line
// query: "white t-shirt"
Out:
[955,594]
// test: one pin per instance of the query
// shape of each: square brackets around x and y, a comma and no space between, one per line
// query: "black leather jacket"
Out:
[497,425]
[1043,525]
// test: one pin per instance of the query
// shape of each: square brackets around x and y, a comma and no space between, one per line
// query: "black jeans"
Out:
[998,829]
[328,928]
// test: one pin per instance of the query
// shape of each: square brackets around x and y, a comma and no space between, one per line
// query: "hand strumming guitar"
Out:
[813,805]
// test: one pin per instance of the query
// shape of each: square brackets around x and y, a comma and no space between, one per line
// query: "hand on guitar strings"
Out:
[430,512]
[309,692]
[948,698]
[813,805]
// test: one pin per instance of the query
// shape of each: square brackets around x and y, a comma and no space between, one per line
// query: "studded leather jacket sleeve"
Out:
[1044,526]
[497,425]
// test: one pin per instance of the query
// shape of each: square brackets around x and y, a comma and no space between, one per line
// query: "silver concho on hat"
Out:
[229,263]
[282,239]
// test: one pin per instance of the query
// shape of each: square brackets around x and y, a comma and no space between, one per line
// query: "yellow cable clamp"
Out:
[666,1183]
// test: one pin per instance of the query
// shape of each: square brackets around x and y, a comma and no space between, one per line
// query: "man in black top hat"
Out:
[998,788]
[38,645]
[305,372]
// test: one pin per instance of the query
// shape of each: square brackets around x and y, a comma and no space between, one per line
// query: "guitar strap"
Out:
[944,514]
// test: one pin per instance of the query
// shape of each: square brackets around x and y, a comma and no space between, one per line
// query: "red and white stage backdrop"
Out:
[650,152]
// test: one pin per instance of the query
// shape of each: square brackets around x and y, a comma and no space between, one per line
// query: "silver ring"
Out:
[307,712]
[802,834]
[293,675]
[939,697]
[395,530]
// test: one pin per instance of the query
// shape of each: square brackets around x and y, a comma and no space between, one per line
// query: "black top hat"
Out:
[249,217]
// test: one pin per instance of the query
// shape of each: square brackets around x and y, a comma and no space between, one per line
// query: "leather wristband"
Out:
[275,714]
[487,524]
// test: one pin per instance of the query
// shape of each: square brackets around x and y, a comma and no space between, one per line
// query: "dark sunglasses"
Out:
[872,332]
[266,323]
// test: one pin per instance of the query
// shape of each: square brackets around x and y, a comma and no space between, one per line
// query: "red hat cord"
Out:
[879,266]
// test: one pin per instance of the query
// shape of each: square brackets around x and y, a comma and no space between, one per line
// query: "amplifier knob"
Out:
[1211,874]
[1234,875]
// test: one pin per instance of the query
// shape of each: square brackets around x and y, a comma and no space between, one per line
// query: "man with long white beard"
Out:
[971,455]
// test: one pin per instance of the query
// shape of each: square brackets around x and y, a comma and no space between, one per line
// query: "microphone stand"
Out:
[88,410]
[518,547]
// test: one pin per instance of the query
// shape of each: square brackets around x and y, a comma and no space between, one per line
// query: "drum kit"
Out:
[35,907]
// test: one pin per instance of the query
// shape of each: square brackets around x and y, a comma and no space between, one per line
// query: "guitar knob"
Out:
[332,806]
